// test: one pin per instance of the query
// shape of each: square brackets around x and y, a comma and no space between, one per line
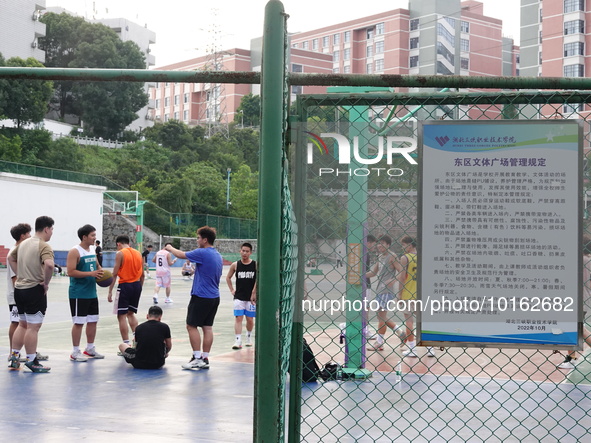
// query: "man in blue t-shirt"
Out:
[205,294]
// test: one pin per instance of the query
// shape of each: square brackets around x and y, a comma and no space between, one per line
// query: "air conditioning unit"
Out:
[34,45]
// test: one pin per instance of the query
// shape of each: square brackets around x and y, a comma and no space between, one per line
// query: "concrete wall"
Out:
[24,198]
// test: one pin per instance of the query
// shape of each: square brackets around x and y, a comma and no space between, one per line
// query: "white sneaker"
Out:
[248,342]
[237,344]
[155,300]
[566,365]
[168,300]
[78,356]
[92,353]
[410,352]
[377,346]
[431,352]
[197,363]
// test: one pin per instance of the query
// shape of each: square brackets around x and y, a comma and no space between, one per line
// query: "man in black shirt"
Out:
[153,342]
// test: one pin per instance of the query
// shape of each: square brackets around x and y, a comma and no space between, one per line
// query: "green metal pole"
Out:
[267,365]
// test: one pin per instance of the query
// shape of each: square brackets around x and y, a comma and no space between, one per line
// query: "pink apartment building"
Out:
[430,38]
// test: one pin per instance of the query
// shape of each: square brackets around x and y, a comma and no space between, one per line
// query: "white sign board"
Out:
[500,212]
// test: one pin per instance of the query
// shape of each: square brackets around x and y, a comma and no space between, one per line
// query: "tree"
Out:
[25,101]
[249,111]
[244,193]
[106,108]
[62,149]
[10,148]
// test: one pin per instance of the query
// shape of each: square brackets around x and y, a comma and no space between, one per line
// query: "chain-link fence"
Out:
[376,390]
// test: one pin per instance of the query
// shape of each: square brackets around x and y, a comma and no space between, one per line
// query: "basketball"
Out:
[105,280]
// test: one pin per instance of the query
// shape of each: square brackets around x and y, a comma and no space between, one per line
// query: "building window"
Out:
[369,68]
[315,44]
[414,61]
[369,51]
[574,27]
[541,15]
[370,33]
[347,54]
[347,69]
[414,24]
[451,21]
[574,5]
[464,63]
[380,28]
[305,45]
[540,37]
[465,45]
[176,115]
[296,68]
[176,100]
[445,33]
[575,48]
[166,101]
[166,117]
[569,108]
[336,56]
[185,116]
[347,36]
[325,41]
[186,98]
[442,69]
[157,103]
[379,47]
[517,58]
[414,43]
[446,53]
[540,58]
[380,64]
[574,70]
[336,39]
[294,45]
[464,26]
[335,70]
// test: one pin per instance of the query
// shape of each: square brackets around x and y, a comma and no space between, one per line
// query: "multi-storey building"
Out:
[431,37]
[20,28]
[554,40]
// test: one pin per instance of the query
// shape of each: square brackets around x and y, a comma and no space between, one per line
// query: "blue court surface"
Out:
[429,408]
[108,400]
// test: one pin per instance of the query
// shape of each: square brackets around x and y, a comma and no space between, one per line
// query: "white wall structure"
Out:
[23,198]
[20,28]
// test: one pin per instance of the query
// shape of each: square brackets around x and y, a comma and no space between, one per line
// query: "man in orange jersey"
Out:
[130,270]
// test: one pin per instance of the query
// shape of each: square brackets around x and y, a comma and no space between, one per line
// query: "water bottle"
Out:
[398,378]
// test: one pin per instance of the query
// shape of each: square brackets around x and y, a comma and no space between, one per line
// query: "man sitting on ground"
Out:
[153,342]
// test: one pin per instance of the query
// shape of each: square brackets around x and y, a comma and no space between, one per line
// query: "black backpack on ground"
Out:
[310,369]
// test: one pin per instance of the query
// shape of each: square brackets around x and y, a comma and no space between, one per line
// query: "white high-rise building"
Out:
[20,28]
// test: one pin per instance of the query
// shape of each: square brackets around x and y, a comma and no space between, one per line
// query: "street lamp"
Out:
[242,119]
[229,171]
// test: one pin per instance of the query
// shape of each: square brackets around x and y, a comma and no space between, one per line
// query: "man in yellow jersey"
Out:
[408,284]
[130,270]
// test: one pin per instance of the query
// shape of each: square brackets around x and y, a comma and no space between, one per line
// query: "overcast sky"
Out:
[184,28]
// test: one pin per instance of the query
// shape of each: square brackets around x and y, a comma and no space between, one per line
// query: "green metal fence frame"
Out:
[273,80]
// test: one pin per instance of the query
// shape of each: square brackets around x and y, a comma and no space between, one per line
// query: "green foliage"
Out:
[244,193]
[24,101]
[105,107]
[36,142]
[64,153]
[10,148]
[249,111]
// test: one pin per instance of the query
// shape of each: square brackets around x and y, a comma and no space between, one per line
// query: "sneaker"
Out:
[35,366]
[197,363]
[42,357]
[78,356]
[375,346]
[237,344]
[155,300]
[93,354]
[431,352]
[13,362]
[566,365]
[168,300]
[248,342]
[410,352]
